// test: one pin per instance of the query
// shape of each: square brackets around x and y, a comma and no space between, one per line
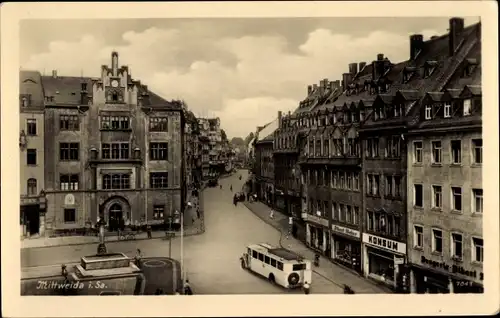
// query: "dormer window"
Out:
[353,117]
[25,102]
[361,115]
[428,112]
[447,110]
[470,66]
[84,86]
[408,73]
[429,68]
[398,110]
[467,107]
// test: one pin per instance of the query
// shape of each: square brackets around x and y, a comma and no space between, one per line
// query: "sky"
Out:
[242,70]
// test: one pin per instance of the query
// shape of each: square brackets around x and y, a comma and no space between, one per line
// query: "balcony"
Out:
[315,219]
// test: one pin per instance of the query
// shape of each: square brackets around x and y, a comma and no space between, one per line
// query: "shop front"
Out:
[280,200]
[32,212]
[346,247]
[383,259]
[437,277]
[317,233]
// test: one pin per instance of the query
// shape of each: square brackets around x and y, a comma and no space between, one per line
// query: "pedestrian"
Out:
[187,288]
[138,258]
[231,188]
[271,215]
[198,212]
[307,288]
[220,187]
[148,230]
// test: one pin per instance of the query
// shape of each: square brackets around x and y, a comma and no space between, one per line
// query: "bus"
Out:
[279,265]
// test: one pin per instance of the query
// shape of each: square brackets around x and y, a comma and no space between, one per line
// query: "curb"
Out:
[201,231]
[331,261]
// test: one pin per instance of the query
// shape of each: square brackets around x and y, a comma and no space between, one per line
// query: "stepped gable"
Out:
[30,86]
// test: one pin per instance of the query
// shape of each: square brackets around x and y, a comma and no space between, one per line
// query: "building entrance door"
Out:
[32,219]
[116,212]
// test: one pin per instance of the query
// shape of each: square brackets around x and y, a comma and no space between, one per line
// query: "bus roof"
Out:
[278,251]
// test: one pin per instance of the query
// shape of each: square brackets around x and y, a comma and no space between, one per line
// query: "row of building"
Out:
[108,147]
[382,172]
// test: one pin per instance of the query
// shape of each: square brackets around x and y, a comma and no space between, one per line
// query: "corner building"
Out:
[445,156]
[112,149]
[31,145]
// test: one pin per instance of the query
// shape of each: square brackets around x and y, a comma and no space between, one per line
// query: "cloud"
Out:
[243,80]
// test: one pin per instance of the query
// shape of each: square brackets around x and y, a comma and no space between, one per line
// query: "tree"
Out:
[249,138]
[238,142]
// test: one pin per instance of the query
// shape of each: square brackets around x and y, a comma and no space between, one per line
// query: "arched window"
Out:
[32,186]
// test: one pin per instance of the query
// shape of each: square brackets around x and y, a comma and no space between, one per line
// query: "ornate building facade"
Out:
[113,149]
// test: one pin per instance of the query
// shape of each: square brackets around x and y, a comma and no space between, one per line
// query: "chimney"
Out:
[54,73]
[362,66]
[416,44]
[379,66]
[315,87]
[280,114]
[83,94]
[456,28]
[309,90]
[346,80]
[380,57]
[353,68]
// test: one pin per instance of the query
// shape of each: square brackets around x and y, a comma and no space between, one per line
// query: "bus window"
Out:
[299,267]
[255,254]
[261,257]
[280,266]
[273,262]
[267,260]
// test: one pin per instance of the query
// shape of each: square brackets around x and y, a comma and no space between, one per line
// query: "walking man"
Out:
[271,215]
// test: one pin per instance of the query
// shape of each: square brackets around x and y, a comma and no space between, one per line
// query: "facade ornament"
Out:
[23,141]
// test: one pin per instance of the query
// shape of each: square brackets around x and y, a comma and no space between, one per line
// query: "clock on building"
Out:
[114,83]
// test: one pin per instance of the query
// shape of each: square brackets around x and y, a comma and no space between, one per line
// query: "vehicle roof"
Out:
[281,252]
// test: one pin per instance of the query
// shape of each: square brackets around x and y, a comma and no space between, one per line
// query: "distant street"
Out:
[211,259]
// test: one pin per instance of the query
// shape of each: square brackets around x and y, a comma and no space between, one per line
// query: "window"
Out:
[355,216]
[31,126]
[68,182]
[393,146]
[456,151]
[348,214]
[69,215]
[299,267]
[115,122]
[428,111]
[418,196]
[418,236]
[261,257]
[477,146]
[349,180]
[478,200]
[477,250]
[158,151]
[69,122]
[372,145]
[447,110]
[436,152]
[158,212]
[335,215]
[158,124]
[342,213]
[456,193]
[255,254]
[389,190]
[158,180]
[437,197]
[456,245]
[417,151]
[116,181]
[370,221]
[467,107]
[437,241]
[397,186]
[280,265]
[69,151]
[342,180]
[273,262]
[32,187]
[267,260]
[373,184]
[117,150]
[31,157]
[355,185]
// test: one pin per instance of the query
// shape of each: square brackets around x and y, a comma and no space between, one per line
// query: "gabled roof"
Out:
[267,133]
[30,83]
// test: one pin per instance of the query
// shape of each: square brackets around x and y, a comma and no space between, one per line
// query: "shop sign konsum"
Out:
[385,244]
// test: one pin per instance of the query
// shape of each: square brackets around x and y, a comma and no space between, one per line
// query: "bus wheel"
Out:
[271,279]
[293,279]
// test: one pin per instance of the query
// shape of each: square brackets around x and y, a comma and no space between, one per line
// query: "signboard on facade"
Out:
[399,260]
[346,231]
[385,244]
[69,199]
[28,201]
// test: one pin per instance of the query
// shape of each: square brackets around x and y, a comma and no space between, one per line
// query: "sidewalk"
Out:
[336,274]
[198,227]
